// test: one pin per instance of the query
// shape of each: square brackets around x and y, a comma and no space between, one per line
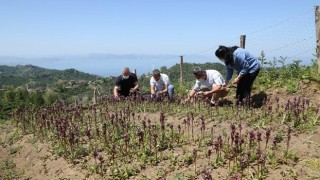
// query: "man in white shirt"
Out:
[209,85]
[160,85]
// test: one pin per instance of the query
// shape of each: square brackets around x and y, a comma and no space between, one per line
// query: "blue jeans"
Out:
[170,91]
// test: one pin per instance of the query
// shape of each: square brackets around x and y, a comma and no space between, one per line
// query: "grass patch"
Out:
[8,170]
[13,150]
[314,163]
[14,137]
[33,140]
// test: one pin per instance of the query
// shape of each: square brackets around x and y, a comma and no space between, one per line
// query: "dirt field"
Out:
[28,157]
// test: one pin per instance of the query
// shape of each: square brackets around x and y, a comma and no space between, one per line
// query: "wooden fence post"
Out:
[94,96]
[317,21]
[243,41]
[181,70]
[135,72]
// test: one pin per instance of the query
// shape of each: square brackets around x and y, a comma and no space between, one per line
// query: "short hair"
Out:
[198,71]
[156,72]
[126,69]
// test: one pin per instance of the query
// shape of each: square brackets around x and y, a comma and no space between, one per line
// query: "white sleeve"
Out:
[197,85]
[166,79]
[218,79]
[152,81]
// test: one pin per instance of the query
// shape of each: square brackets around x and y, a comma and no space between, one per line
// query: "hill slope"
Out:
[39,77]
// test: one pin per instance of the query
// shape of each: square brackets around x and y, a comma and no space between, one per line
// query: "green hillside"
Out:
[47,86]
[39,77]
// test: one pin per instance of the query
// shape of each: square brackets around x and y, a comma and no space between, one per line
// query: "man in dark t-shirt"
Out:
[126,84]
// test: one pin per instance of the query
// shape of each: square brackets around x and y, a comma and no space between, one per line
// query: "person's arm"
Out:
[217,85]
[243,63]
[215,88]
[136,87]
[166,81]
[165,88]
[116,88]
[152,86]
[237,79]
[152,90]
[115,91]
[194,90]
[191,94]
[229,75]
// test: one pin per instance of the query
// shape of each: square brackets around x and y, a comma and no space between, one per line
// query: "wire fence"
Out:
[293,38]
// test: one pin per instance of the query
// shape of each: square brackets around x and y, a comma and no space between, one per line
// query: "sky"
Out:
[101,36]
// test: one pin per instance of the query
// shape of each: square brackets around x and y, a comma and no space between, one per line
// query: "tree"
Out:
[35,99]
[9,95]
[21,95]
[50,97]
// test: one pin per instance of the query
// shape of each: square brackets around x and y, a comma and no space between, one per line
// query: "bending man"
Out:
[208,85]
[160,85]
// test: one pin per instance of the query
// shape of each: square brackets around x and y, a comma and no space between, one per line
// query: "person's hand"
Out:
[163,92]
[117,98]
[236,80]
[205,93]
[132,90]
[188,100]
[224,87]
[199,94]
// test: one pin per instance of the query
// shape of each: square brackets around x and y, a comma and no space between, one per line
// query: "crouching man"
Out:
[208,86]
[160,85]
[126,84]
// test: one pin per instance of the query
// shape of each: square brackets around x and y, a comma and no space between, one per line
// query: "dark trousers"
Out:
[245,85]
